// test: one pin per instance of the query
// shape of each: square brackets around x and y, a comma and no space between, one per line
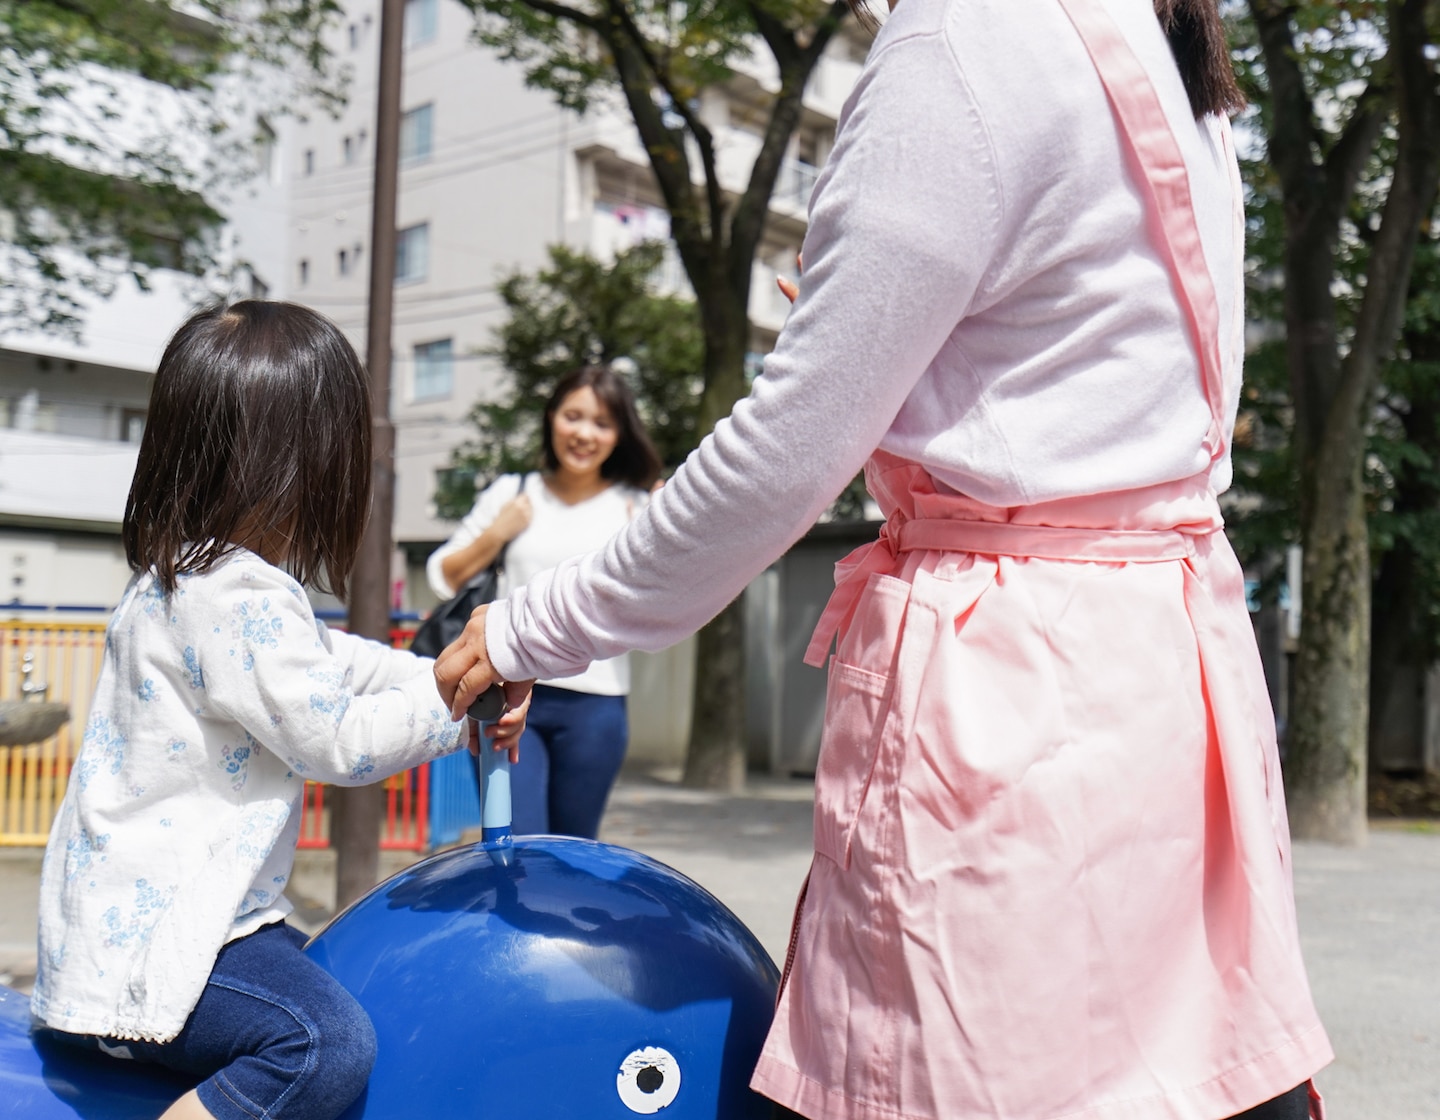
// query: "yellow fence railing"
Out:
[65,657]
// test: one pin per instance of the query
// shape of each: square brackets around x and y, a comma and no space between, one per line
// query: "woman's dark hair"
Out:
[1197,40]
[634,460]
[258,431]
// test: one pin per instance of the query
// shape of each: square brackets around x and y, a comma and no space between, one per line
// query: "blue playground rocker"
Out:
[529,978]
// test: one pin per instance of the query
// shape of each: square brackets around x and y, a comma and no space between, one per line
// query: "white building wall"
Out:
[72,409]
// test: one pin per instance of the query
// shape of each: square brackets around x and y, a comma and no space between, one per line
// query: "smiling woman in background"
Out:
[599,469]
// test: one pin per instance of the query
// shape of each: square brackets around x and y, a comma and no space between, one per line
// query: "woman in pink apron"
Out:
[1052,871]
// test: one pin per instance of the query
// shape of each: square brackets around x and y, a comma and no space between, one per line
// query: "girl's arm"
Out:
[264,664]
[374,666]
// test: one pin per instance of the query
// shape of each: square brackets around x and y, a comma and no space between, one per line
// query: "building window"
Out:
[304,272]
[354,36]
[267,148]
[309,161]
[416,137]
[342,262]
[132,424]
[434,371]
[258,288]
[412,253]
[421,20]
[347,148]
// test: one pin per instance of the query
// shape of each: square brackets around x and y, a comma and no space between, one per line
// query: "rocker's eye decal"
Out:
[649,1079]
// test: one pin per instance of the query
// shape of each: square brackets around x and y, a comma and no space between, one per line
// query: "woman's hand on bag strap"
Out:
[514,518]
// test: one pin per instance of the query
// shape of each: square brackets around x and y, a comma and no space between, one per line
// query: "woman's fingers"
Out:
[463,670]
[788,288]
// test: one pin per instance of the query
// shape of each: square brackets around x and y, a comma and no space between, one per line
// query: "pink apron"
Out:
[1053,866]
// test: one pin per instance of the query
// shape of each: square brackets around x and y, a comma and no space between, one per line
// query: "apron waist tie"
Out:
[990,538]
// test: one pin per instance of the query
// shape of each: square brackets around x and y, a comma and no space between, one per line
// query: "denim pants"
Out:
[570,754]
[274,1035]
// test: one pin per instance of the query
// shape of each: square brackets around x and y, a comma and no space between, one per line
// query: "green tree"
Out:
[1350,115]
[661,57]
[103,173]
[580,311]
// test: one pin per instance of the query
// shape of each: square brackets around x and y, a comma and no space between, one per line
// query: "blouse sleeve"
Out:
[487,507]
[335,711]
[904,222]
[373,665]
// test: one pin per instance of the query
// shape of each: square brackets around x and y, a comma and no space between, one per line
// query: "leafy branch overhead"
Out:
[118,137]
[580,311]
[660,59]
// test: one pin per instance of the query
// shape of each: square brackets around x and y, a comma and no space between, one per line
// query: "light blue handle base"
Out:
[494,798]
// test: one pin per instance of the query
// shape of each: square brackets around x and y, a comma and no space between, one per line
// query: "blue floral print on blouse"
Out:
[192,666]
[102,748]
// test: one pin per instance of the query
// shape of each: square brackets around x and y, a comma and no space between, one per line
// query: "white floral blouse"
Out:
[178,828]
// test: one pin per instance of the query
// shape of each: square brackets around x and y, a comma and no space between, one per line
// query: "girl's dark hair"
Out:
[1197,40]
[634,460]
[258,431]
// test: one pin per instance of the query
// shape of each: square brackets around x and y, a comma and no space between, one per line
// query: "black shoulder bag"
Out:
[446,621]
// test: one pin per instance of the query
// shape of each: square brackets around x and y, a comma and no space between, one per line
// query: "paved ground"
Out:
[1369,920]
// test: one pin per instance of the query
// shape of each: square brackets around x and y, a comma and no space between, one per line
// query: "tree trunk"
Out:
[1326,741]
[1325,775]
[716,758]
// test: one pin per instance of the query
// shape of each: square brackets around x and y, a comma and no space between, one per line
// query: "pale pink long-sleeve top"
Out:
[981,296]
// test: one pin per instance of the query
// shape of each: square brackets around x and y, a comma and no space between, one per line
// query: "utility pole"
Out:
[355,828]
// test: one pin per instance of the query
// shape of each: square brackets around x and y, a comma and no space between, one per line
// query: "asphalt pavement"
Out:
[1369,919]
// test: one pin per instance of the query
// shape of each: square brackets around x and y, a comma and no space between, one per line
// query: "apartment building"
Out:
[491,174]
[72,409]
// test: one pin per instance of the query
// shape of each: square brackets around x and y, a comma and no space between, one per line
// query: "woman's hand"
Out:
[514,518]
[788,288]
[463,671]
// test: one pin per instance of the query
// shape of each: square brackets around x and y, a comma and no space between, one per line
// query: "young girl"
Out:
[1051,874]
[599,468]
[162,913]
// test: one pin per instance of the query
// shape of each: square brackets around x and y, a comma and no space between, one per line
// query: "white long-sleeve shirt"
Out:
[177,832]
[981,295]
[557,531]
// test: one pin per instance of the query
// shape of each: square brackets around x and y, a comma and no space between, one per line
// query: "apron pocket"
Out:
[855,707]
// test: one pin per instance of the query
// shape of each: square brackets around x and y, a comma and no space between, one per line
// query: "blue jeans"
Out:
[274,1035]
[570,754]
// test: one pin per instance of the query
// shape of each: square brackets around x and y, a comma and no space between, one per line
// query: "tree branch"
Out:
[561,11]
[779,38]
[1346,160]
[748,223]
[1293,138]
[1408,205]
[624,21]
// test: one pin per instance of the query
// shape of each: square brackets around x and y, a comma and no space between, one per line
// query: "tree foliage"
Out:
[123,122]
[581,311]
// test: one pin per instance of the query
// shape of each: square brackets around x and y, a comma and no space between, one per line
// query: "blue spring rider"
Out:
[530,978]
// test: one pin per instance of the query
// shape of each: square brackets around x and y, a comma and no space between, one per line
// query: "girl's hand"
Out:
[504,734]
[514,517]
[463,671]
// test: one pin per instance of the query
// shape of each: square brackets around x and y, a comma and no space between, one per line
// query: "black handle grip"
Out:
[489,705]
